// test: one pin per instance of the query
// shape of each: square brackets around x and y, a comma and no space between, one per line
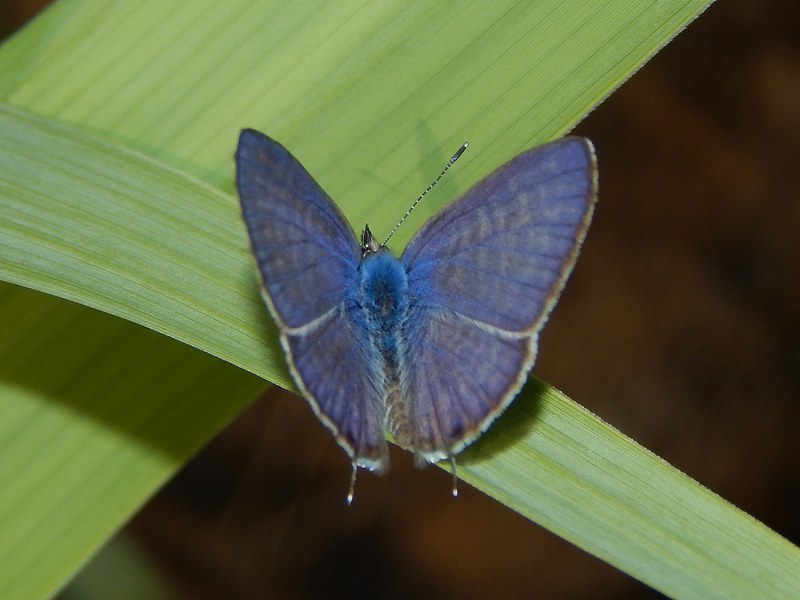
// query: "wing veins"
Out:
[289,223]
[299,270]
[465,373]
[456,216]
[483,325]
[490,236]
[501,276]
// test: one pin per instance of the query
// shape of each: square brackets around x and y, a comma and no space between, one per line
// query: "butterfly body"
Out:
[382,296]
[433,345]
[382,304]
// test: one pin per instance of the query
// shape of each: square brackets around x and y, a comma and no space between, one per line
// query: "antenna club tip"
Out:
[458,153]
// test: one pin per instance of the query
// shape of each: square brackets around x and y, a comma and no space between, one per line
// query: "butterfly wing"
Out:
[484,274]
[308,257]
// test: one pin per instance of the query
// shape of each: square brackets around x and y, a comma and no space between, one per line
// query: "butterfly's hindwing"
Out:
[454,372]
[337,367]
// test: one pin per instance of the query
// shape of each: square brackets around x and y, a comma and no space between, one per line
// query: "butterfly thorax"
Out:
[382,292]
[383,302]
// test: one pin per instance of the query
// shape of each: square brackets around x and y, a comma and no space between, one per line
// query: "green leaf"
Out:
[99,411]
[90,222]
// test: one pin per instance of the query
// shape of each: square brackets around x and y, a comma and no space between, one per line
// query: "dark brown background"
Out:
[679,326]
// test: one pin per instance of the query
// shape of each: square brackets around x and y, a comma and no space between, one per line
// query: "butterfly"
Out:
[432,346]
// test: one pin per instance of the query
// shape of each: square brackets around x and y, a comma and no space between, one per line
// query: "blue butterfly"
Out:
[431,347]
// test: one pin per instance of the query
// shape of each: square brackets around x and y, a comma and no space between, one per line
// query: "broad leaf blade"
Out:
[368,99]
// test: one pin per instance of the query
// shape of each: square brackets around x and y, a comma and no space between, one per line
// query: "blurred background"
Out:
[679,326]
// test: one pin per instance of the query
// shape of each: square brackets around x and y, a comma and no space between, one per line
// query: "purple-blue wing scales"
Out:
[456,377]
[337,370]
[308,257]
[303,245]
[484,273]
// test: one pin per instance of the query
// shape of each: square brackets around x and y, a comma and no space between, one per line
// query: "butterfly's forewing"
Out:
[484,273]
[304,247]
[308,257]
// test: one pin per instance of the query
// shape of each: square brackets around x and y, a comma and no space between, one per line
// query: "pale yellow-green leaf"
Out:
[88,221]
[372,97]
[369,96]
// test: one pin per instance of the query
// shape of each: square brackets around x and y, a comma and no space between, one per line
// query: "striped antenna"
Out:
[449,164]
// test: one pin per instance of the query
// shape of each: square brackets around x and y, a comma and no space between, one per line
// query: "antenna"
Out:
[449,164]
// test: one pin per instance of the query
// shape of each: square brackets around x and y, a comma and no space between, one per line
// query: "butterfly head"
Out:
[369,245]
